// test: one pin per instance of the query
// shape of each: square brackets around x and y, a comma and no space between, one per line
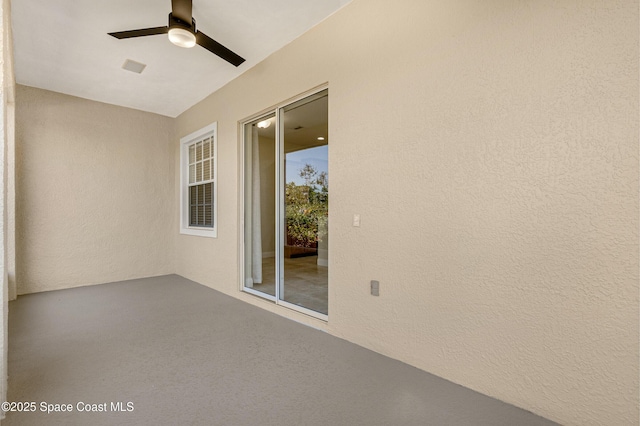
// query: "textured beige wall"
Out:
[94,192]
[491,149]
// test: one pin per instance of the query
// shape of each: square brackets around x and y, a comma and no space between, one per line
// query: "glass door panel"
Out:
[305,178]
[260,205]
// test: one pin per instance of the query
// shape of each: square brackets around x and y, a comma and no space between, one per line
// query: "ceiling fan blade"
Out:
[218,49]
[140,33]
[182,9]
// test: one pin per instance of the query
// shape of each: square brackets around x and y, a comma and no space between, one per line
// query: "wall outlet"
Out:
[375,288]
[356,220]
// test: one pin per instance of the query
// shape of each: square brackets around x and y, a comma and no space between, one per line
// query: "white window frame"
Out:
[209,131]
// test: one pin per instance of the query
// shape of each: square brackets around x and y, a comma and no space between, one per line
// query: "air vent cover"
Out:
[133,66]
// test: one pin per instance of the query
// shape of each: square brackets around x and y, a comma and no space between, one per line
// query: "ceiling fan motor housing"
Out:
[178,23]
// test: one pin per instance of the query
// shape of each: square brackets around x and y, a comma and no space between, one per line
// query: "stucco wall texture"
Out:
[94,192]
[491,149]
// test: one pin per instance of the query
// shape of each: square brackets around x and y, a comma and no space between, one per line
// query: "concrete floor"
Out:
[179,353]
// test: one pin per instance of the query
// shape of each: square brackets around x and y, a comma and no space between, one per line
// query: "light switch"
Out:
[356,220]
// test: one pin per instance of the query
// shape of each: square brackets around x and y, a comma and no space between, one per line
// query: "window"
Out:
[198,184]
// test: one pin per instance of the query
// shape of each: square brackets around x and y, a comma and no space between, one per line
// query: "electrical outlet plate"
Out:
[375,288]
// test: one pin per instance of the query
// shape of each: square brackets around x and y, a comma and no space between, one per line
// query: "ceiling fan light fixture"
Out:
[182,37]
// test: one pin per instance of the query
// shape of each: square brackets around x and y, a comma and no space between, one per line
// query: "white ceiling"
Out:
[62,45]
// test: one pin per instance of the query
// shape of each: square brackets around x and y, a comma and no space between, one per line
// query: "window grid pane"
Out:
[206,150]
[208,194]
[206,170]
[199,151]
[199,172]
[208,217]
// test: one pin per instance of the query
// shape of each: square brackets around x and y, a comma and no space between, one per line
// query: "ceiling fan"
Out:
[182,32]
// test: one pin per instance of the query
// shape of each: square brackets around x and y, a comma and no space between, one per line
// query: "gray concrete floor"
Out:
[183,354]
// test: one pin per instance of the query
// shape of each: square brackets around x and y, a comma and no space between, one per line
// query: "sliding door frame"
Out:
[280,205]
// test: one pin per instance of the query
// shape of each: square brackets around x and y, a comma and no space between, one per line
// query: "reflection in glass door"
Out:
[286,205]
[306,203]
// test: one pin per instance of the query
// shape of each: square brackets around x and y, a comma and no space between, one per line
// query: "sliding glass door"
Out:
[286,205]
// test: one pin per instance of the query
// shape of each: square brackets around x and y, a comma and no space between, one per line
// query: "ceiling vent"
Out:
[133,66]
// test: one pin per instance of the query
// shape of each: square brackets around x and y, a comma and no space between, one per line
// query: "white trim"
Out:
[280,195]
[185,229]
[240,192]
